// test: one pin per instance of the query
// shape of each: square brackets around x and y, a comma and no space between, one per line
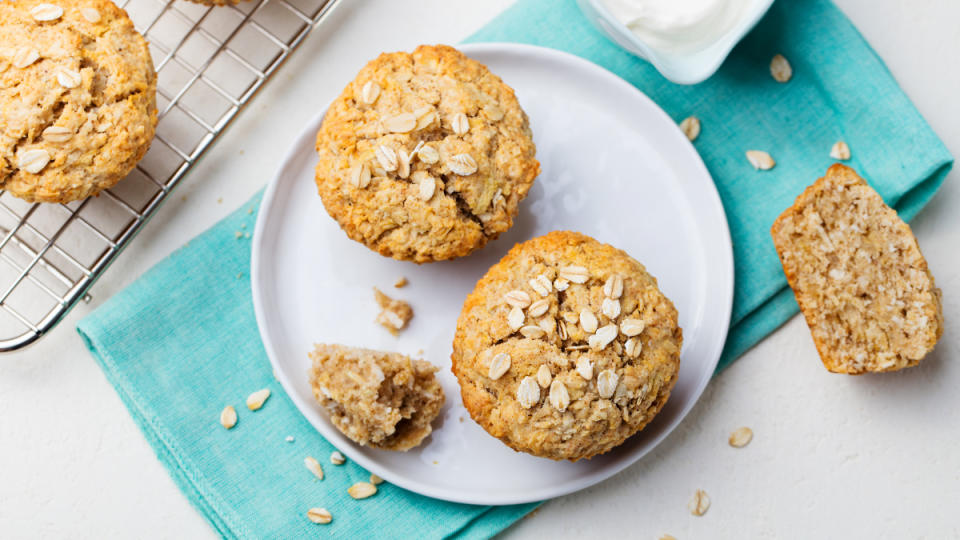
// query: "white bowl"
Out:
[682,67]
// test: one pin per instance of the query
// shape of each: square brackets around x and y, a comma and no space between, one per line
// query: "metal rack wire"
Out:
[210,61]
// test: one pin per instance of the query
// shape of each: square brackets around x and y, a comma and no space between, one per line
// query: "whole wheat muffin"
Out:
[566,347]
[385,400]
[859,276]
[425,156]
[77,95]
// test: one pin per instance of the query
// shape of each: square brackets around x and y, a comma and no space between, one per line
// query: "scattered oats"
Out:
[289,438]
[46,12]
[337,458]
[370,92]
[585,367]
[498,366]
[257,399]
[246,235]
[387,157]
[24,57]
[562,330]
[238,234]
[319,515]
[228,417]
[690,126]
[559,396]
[403,164]
[68,78]
[401,282]
[588,321]
[840,151]
[603,337]
[607,383]
[560,284]
[362,490]
[613,288]
[401,123]
[610,308]
[760,160]
[57,134]
[429,155]
[517,298]
[33,161]
[576,347]
[375,480]
[570,317]
[426,186]
[544,376]
[632,327]
[460,124]
[699,504]
[314,467]
[740,437]
[528,392]
[780,69]
[515,318]
[462,165]
[539,307]
[360,176]
[532,332]
[541,284]
[102,128]
[575,274]
[90,14]
[633,346]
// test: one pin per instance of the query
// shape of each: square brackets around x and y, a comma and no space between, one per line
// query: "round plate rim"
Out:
[726,266]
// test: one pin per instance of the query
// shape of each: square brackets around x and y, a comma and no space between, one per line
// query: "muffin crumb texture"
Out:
[566,347]
[425,156]
[381,399]
[394,314]
[859,276]
[77,95]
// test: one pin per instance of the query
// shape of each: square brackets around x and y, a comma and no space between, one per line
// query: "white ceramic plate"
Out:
[615,167]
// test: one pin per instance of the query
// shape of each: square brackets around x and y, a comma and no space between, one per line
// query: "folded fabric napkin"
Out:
[182,342]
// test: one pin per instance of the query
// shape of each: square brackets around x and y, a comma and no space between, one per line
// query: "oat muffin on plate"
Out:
[77,95]
[859,276]
[385,400]
[566,347]
[425,156]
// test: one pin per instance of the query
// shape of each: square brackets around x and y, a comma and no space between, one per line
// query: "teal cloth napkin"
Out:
[840,90]
[182,342]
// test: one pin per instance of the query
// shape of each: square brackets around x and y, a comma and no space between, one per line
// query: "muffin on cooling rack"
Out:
[78,95]
[425,156]
[566,347]
[385,400]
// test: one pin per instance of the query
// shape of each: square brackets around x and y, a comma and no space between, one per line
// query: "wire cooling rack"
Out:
[210,61]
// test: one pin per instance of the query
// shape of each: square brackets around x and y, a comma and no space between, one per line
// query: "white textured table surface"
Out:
[833,456]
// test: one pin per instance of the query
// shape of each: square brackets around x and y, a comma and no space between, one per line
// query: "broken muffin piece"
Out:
[381,399]
[859,276]
[396,313]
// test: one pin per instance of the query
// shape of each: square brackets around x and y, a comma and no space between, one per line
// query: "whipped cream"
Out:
[678,24]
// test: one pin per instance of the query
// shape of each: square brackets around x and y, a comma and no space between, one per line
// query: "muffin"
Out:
[78,95]
[385,400]
[425,156]
[859,276]
[566,347]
